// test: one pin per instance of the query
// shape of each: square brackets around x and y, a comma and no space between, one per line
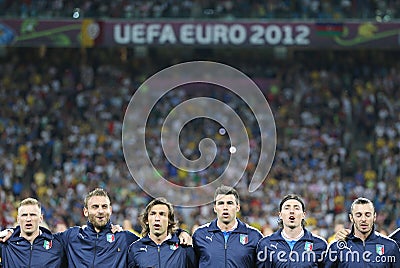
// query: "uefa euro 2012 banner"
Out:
[257,33]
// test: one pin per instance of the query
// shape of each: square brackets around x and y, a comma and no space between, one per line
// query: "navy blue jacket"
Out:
[86,248]
[46,251]
[396,236]
[146,253]
[274,251]
[239,251]
[376,251]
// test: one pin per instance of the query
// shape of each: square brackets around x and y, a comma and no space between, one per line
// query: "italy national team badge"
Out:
[47,244]
[308,246]
[110,238]
[380,249]
[174,246]
[244,239]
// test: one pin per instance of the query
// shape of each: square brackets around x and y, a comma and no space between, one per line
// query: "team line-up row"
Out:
[223,242]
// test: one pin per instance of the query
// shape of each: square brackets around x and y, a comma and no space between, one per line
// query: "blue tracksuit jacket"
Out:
[85,248]
[376,251]
[274,251]
[396,236]
[239,251]
[146,253]
[46,251]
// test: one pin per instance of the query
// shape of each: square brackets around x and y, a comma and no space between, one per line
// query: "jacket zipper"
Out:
[291,251]
[226,249]
[95,249]
[30,253]
[363,253]
[30,256]
[159,257]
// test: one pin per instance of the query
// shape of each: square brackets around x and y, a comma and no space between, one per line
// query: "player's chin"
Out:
[101,223]
[227,220]
[28,232]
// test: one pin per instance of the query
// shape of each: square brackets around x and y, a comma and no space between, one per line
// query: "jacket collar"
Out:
[372,236]
[278,235]
[241,227]
[106,229]
[173,240]
[44,233]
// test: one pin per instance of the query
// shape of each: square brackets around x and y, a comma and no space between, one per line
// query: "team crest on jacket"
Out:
[47,244]
[308,246]
[244,239]
[174,246]
[380,249]
[110,238]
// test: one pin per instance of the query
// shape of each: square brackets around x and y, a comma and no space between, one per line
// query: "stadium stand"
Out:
[337,122]
[227,9]
[337,118]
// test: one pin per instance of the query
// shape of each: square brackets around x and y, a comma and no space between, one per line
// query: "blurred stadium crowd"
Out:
[228,9]
[338,130]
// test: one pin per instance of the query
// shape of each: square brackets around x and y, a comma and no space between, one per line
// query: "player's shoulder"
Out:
[385,239]
[395,234]
[137,243]
[202,228]
[266,241]
[319,238]
[131,236]
[267,238]
[252,230]
[71,230]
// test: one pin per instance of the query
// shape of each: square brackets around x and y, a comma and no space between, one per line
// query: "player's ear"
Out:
[237,207]
[85,212]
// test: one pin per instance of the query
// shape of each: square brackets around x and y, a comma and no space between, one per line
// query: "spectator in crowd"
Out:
[292,245]
[379,10]
[159,238]
[226,241]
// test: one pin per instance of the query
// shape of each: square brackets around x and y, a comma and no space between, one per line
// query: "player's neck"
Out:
[294,234]
[159,239]
[362,236]
[31,237]
[225,227]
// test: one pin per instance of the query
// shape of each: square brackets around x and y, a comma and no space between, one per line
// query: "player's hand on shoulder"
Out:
[6,234]
[342,234]
[185,239]
[116,228]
